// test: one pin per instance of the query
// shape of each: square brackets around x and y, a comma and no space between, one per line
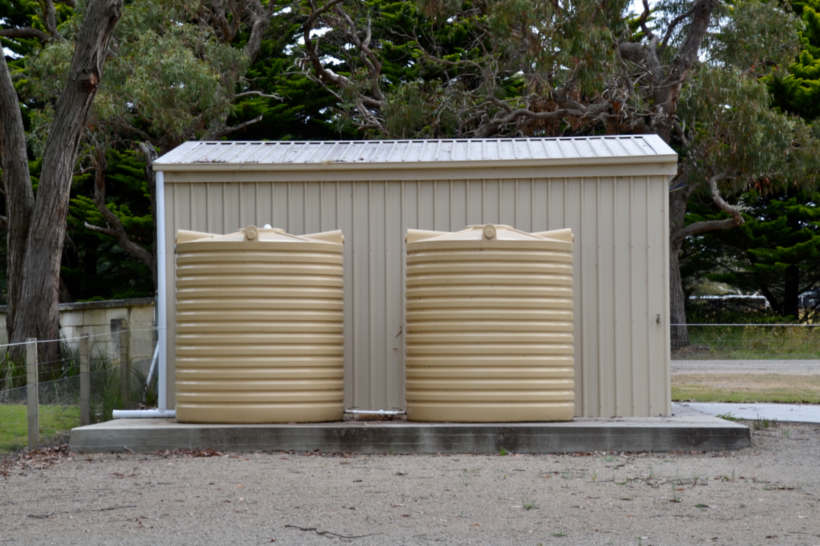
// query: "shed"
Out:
[611,190]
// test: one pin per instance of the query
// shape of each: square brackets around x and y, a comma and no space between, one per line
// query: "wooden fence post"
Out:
[32,393]
[125,363]
[85,382]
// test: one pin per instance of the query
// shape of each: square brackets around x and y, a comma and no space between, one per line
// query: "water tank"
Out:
[489,318]
[259,335]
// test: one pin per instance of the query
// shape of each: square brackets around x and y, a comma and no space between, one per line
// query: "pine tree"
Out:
[798,91]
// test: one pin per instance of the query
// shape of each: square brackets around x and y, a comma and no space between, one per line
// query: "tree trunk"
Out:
[791,292]
[677,298]
[17,187]
[35,246]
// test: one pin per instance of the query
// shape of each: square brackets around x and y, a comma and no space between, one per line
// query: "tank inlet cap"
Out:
[251,233]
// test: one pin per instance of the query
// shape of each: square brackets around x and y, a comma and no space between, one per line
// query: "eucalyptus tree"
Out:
[798,89]
[777,250]
[174,69]
[36,221]
[689,71]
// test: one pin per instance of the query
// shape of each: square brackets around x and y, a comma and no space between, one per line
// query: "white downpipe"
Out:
[162,378]
[143,414]
[153,366]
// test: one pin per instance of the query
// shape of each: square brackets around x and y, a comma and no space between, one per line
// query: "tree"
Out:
[798,90]
[776,250]
[96,264]
[36,223]
[179,68]
[688,71]
[174,71]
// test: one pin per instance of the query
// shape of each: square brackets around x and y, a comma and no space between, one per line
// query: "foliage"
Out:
[170,79]
[175,71]
[758,341]
[291,105]
[798,91]
[59,392]
[53,420]
[94,265]
[12,372]
[472,65]
[796,391]
[775,253]
[736,137]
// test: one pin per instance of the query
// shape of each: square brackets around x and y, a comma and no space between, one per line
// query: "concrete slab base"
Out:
[682,432]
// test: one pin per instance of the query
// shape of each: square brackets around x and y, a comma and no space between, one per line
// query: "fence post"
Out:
[125,363]
[85,382]
[32,393]
[9,380]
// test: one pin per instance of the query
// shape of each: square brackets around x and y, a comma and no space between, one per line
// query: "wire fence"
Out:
[87,378]
[730,341]
[118,380]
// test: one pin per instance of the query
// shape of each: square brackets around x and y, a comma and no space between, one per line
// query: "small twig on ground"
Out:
[327,533]
[105,509]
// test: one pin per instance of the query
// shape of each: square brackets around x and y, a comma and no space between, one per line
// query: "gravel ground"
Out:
[766,494]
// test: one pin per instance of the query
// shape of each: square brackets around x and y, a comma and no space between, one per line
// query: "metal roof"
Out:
[363,154]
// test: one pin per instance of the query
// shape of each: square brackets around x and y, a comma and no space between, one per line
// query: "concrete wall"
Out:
[96,318]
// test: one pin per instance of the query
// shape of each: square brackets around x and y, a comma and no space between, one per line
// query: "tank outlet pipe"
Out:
[379,412]
[144,414]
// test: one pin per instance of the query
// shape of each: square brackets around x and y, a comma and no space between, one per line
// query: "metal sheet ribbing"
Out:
[259,335]
[489,316]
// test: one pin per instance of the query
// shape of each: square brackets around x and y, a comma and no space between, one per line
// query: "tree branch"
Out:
[667,92]
[325,76]
[114,226]
[707,225]
[643,18]
[734,211]
[675,22]
[26,32]
[259,21]
[370,59]
[259,94]
[232,128]
[99,229]
[50,17]
[219,16]
[596,112]
[364,104]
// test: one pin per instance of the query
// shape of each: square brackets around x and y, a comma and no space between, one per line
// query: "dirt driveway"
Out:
[767,494]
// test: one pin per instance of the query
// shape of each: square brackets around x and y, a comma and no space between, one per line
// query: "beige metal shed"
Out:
[611,191]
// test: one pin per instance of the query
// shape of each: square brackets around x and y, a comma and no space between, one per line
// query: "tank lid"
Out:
[487,232]
[254,233]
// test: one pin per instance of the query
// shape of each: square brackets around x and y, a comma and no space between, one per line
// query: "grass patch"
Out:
[751,342]
[53,420]
[745,388]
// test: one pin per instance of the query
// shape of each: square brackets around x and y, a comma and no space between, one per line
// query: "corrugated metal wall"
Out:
[621,319]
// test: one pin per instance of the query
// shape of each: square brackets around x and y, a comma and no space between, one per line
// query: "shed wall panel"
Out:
[620,266]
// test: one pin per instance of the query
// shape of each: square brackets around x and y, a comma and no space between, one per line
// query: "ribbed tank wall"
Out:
[490,328]
[259,336]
